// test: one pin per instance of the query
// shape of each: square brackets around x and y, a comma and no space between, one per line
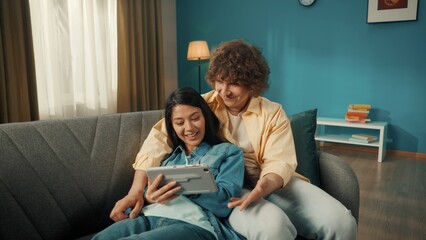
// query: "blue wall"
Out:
[325,56]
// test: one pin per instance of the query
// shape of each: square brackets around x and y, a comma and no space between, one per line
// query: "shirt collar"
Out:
[200,150]
[254,105]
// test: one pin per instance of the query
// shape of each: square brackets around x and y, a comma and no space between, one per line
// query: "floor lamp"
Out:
[198,50]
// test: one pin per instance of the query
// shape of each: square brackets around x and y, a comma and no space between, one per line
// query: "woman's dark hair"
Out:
[240,63]
[188,96]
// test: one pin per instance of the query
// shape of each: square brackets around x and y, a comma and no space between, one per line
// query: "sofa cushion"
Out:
[304,125]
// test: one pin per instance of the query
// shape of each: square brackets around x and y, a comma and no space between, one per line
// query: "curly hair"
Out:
[239,63]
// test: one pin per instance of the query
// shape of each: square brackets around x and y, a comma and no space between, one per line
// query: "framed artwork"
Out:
[391,10]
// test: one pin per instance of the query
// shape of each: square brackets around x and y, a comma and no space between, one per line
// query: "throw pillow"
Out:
[304,125]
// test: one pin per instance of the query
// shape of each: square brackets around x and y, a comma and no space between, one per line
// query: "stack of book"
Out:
[358,113]
[363,138]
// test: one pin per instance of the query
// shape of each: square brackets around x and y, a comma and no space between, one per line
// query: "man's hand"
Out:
[266,185]
[135,201]
[163,195]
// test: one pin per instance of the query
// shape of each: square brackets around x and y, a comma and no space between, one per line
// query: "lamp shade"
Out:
[198,50]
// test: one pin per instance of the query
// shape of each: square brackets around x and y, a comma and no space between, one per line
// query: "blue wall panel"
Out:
[325,56]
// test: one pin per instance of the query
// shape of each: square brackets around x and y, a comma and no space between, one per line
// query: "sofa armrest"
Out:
[339,180]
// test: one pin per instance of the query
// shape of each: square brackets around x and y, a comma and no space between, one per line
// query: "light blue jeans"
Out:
[153,228]
[300,208]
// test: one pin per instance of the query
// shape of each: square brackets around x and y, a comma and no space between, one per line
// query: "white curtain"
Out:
[75,48]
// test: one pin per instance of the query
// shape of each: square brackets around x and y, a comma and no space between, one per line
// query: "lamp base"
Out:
[199,76]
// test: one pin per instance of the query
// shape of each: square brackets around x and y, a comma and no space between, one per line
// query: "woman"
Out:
[279,204]
[194,134]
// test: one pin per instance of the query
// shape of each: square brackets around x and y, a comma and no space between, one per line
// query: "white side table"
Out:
[381,127]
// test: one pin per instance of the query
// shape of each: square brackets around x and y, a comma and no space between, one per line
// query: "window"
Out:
[75,49]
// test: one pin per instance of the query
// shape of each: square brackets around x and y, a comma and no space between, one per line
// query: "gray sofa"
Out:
[59,179]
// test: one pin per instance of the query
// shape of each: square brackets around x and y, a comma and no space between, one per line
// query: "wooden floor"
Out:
[392,195]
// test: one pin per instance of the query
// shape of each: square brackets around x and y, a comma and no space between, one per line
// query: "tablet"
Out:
[193,179]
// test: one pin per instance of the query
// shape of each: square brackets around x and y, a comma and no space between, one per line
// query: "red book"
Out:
[359,115]
[364,120]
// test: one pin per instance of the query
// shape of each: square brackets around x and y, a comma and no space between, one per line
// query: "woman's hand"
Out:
[162,195]
[266,185]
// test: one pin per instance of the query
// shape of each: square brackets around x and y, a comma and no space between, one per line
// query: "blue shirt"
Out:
[226,163]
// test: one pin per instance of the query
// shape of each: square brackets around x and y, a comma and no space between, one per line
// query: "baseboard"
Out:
[415,155]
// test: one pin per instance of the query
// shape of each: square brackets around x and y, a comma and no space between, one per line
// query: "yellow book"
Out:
[359,106]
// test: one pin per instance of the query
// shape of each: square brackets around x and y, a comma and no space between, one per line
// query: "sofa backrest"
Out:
[59,179]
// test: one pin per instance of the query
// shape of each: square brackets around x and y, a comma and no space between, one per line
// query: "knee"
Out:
[272,228]
[348,228]
[340,227]
[276,226]
[264,220]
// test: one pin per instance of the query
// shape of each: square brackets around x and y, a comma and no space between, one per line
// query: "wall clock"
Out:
[306,3]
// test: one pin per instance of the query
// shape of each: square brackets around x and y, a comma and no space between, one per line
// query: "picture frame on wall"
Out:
[391,10]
